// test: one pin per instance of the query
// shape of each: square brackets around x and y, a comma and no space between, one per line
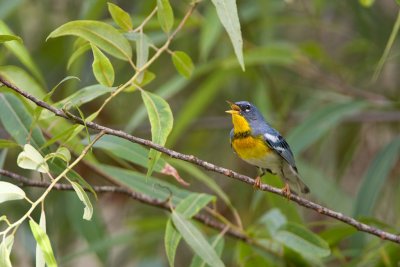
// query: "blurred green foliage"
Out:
[309,68]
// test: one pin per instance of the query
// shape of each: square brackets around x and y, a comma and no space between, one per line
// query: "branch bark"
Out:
[211,167]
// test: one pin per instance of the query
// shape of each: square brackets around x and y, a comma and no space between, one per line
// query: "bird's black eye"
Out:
[247,108]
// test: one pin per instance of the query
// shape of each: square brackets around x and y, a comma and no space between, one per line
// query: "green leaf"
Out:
[171,241]
[77,53]
[8,37]
[17,121]
[335,234]
[19,50]
[31,159]
[5,250]
[88,211]
[8,192]
[319,122]
[302,240]
[98,33]
[228,15]
[398,2]
[217,242]
[192,204]
[183,63]
[7,143]
[366,3]
[375,178]
[102,68]
[273,219]
[142,51]
[148,77]
[120,16]
[44,243]
[40,261]
[85,95]
[156,188]
[23,80]
[127,150]
[196,173]
[161,121]
[165,15]
[61,153]
[196,240]
[188,207]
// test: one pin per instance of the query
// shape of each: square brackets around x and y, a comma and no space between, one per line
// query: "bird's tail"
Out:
[300,184]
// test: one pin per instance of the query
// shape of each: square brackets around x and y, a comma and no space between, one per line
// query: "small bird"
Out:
[257,143]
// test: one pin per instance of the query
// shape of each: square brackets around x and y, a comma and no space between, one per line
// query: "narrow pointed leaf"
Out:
[44,243]
[5,250]
[31,159]
[120,17]
[8,37]
[61,153]
[142,51]
[196,241]
[171,241]
[183,63]
[7,143]
[302,240]
[9,191]
[192,204]
[228,15]
[161,121]
[217,242]
[320,122]
[19,50]
[102,68]
[88,211]
[100,34]
[375,177]
[84,95]
[77,53]
[40,261]
[17,121]
[165,15]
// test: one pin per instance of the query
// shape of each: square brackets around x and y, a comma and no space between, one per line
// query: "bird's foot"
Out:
[257,183]
[286,190]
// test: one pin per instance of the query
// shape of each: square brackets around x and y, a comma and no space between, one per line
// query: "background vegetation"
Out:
[322,72]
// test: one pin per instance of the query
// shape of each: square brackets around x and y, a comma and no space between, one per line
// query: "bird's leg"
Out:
[257,180]
[286,188]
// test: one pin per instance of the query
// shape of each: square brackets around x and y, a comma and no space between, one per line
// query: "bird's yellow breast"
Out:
[250,147]
[247,147]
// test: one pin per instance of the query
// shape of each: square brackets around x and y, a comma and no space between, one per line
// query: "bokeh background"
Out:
[311,68]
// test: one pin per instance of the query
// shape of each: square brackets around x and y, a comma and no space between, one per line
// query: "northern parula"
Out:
[257,143]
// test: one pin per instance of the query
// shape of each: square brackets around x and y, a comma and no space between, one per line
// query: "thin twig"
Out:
[211,167]
[151,60]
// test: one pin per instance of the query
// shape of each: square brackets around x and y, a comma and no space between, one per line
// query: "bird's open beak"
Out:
[235,109]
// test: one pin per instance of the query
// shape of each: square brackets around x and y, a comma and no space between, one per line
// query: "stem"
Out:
[50,187]
[389,45]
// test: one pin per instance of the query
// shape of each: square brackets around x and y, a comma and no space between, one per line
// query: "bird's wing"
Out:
[276,142]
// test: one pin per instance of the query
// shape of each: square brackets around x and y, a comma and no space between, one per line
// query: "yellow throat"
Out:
[240,124]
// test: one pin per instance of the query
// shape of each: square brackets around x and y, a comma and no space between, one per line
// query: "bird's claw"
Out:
[257,183]
[286,191]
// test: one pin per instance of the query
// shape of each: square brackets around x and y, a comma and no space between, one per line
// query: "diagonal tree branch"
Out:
[209,166]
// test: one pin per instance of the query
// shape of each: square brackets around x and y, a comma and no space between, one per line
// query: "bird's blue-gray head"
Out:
[247,110]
